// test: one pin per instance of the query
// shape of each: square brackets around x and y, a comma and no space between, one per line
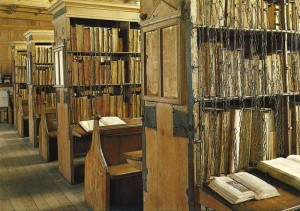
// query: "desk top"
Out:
[134,155]
[132,126]
[289,198]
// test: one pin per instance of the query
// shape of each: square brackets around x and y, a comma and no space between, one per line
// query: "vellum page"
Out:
[262,189]
[231,190]
[285,170]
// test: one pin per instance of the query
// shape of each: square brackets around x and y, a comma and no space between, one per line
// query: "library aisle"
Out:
[28,183]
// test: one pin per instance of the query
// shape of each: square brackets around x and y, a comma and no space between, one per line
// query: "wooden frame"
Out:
[65,13]
[180,82]
[48,134]
[60,65]
[101,168]
[34,38]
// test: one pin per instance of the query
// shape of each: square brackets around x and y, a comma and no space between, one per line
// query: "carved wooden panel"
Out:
[152,63]
[164,62]
[169,62]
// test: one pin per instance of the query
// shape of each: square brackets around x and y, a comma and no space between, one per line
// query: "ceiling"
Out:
[28,6]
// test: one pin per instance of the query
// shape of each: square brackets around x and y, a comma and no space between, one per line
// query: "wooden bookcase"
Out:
[235,103]
[40,77]
[92,71]
[19,76]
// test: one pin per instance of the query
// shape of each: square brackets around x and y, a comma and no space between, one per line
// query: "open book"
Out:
[88,125]
[241,187]
[287,170]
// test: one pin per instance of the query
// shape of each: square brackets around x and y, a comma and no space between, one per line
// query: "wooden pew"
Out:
[23,116]
[10,109]
[110,182]
[48,134]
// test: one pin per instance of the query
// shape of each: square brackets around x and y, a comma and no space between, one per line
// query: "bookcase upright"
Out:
[40,77]
[228,90]
[19,54]
[97,67]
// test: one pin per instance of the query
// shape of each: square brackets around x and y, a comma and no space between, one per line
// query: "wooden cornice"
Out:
[105,10]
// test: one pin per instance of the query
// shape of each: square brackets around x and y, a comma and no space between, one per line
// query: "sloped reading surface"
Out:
[104,121]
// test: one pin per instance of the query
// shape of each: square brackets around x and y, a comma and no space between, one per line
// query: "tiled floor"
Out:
[28,183]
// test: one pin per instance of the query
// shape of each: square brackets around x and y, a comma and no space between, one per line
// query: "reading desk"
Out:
[289,198]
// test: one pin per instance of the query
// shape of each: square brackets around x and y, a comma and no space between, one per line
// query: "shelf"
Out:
[6,85]
[247,30]
[241,98]
[104,85]
[77,53]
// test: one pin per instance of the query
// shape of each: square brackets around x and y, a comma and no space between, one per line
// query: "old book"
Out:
[225,141]
[285,170]
[75,69]
[88,125]
[73,38]
[96,39]
[242,187]
[86,70]
[245,141]
[107,74]
[101,39]
[110,42]
[115,39]
[138,105]
[92,39]
[295,158]
[80,71]
[120,105]
[125,110]
[102,74]
[295,115]
[98,72]
[79,37]
[114,72]
[106,104]
[131,41]
[133,105]
[135,40]
[112,105]
[86,39]
[137,71]
[121,72]
[121,44]
[235,140]
[105,40]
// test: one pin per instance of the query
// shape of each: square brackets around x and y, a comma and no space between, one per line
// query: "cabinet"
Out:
[240,81]
[40,77]
[19,76]
[97,70]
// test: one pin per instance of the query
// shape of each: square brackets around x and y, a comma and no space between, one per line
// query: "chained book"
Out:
[242,186]
[88,125]
[286,170]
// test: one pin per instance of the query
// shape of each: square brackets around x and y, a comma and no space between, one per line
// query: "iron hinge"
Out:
[181,125]
[150,117]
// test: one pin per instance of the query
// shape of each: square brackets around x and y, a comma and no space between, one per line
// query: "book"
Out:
[286,170]
[241,187]
[88,125]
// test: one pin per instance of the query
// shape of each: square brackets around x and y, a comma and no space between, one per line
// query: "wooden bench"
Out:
[48,134]
[23,116]
[117,186]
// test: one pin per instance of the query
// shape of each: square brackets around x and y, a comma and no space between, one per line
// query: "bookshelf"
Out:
[97,58]
[40,77]
[19,54]
[240,81]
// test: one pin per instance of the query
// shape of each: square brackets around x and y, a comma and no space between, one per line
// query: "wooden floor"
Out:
[28,183]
